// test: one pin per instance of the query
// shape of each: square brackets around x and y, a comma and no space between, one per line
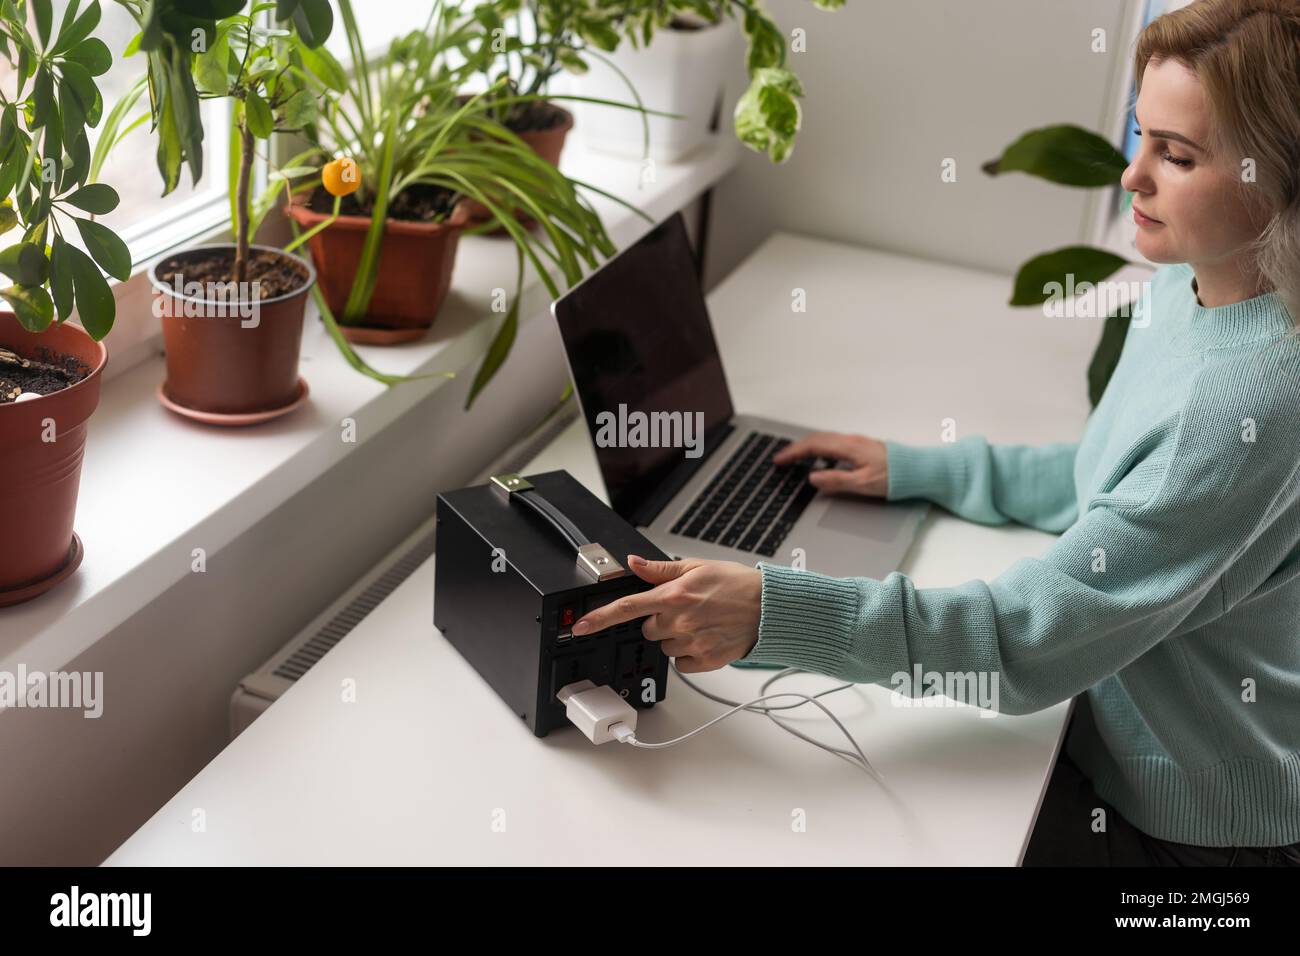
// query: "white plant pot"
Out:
[681,71]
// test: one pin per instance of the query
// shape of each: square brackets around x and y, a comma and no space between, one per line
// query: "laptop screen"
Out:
[640,349]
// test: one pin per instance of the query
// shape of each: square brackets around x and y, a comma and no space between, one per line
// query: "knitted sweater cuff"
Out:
[934,473]
[808,619]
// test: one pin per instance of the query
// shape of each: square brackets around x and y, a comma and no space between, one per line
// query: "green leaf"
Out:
[107,249]
[325,67]
[502,342]
[76,163]
[42,97]
[234,149]
[211,67]
[314,20]
[61,278]
[32,306]
[1106,358]
[766,42]
[25,263]
[293,172]
[77,80]
[1065,154]
[210,9]
[1039,278]
[95,305]
[69,15]
[96,199]
[487,15]
[572,62]
[767,114]
[297,111]
[93,55]
[599,34]
[185,101]
[258,116]
[72,115]
[12,166]
[9,134]
[82,27]
[44,13]
[8,218]
[169,155]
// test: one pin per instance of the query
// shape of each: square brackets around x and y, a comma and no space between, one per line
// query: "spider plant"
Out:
[403,121]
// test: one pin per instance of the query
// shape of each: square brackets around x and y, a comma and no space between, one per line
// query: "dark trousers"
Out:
[1064,836]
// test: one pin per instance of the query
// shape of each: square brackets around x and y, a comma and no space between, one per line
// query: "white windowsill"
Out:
[155,486]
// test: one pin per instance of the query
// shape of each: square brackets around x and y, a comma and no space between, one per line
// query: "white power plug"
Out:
[596,710]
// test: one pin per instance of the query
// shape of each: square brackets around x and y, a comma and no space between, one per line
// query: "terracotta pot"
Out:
[221,361]
[546,143]
[39,479]
[413,273]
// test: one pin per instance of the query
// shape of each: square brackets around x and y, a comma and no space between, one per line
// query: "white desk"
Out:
[427,763]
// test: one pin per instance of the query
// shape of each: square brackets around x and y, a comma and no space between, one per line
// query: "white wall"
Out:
[891,89]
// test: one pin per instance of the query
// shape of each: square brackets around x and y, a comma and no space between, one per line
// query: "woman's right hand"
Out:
[864,463]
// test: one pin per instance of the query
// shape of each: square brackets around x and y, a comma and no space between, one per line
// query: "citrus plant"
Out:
[403,120]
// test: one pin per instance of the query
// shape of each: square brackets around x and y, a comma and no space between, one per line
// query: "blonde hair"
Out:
[1246,55]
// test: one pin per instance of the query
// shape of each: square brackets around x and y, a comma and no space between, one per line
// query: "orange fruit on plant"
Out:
[341,177]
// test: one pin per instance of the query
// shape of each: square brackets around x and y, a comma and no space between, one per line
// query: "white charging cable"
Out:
[855,757]
[603,715]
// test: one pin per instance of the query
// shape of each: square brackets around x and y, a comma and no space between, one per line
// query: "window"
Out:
[146,220]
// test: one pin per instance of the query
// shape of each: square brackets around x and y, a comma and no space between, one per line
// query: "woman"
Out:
[1171,602]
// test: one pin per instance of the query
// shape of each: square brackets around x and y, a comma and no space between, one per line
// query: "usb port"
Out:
[563,636]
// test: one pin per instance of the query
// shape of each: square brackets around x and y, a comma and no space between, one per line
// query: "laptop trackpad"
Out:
[864,518]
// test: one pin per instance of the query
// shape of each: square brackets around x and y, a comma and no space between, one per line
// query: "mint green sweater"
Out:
[1172,598]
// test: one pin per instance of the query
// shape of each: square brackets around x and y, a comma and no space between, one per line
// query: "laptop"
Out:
[679,462]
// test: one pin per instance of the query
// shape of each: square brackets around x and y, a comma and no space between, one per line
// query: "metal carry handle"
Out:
[593,559]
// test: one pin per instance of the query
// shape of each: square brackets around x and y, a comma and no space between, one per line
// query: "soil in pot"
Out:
[536,116]
[276,273]
[44,373]
[237,354]
[418,203]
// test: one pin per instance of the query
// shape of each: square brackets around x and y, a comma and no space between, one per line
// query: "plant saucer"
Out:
[232,419]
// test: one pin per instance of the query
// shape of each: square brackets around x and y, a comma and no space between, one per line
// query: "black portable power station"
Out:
[519,561]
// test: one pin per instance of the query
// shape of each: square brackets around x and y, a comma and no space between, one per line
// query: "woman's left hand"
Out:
[706,613]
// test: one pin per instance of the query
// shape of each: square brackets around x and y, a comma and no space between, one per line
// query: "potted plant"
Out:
[421,149]
[369,144]
[681,74]
[517,70]
[49,368]
[232,313]
[680,77]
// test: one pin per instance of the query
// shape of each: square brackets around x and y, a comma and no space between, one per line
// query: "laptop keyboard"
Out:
[750,503]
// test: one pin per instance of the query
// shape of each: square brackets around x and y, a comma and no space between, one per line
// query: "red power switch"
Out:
[567,616]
